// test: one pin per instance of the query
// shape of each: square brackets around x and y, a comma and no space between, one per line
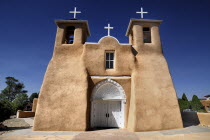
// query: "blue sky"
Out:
[28,34]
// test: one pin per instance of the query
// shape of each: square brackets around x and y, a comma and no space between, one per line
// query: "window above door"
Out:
[109,59]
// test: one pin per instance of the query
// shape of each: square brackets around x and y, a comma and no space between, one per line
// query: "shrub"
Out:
[6,110]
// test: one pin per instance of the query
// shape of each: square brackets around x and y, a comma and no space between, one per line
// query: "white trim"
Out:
[109,36]
[97,43]
[110,76]
[91,43]
[125,44]
[122,99]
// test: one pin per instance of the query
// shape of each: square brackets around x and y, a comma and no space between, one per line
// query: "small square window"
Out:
[109,60]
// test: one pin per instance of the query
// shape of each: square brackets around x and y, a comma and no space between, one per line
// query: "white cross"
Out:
[75,12]
[108,28]
[142,12]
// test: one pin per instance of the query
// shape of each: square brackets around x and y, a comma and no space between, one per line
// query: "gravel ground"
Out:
[14,124]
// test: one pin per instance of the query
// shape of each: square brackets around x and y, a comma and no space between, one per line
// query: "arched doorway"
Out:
[107,105]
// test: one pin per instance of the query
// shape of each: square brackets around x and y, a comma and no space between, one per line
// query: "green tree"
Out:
[183,104]
[184,97]
[6,110]
[2,97]
[13,88]
[196,104]
[20,101]
[33,95]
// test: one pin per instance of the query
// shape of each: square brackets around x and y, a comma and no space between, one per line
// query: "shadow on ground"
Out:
[190,119]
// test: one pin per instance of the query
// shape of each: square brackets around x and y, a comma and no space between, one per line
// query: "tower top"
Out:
[82,23]
[142,22]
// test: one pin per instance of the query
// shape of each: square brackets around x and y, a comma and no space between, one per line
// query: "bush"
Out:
[6,110]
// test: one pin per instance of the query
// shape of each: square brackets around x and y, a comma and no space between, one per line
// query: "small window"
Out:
[109,60]
[69,35]
[147,35]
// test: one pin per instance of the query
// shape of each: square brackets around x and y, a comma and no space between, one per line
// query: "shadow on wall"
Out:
[88,113]
[190,119]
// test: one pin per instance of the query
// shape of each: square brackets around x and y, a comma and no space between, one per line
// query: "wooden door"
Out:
[100,114]
[107,114]
[114,113]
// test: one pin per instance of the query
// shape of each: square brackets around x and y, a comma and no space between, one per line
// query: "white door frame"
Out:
[99,94]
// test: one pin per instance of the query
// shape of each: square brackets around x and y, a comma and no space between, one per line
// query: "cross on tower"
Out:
[108,28]
[142,12]
[75,12]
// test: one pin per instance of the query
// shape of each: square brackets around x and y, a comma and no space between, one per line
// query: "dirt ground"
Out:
[13,124]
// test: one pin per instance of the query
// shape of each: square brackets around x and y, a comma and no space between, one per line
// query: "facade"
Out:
[107,84]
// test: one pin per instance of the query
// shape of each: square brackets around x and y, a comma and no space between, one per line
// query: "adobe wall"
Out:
[35,100]
[151,80]
[62,104]
[204,118]
[94,57]
[25,114]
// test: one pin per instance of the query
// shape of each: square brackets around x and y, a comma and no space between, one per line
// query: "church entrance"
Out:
[107,114]
[107,105]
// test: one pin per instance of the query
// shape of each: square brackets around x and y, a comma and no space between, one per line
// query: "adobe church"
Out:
[107,84]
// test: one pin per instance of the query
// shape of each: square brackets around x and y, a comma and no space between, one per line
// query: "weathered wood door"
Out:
[114,113]
[100,111]
[107,114]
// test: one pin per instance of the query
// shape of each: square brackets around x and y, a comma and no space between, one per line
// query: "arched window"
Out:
[69,35]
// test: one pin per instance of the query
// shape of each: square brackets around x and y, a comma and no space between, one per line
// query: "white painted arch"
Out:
[108,90]
[110,37]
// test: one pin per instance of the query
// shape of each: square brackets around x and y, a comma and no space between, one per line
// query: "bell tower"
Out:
[144,35]
[71,32]
[151,78]
[66,68]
